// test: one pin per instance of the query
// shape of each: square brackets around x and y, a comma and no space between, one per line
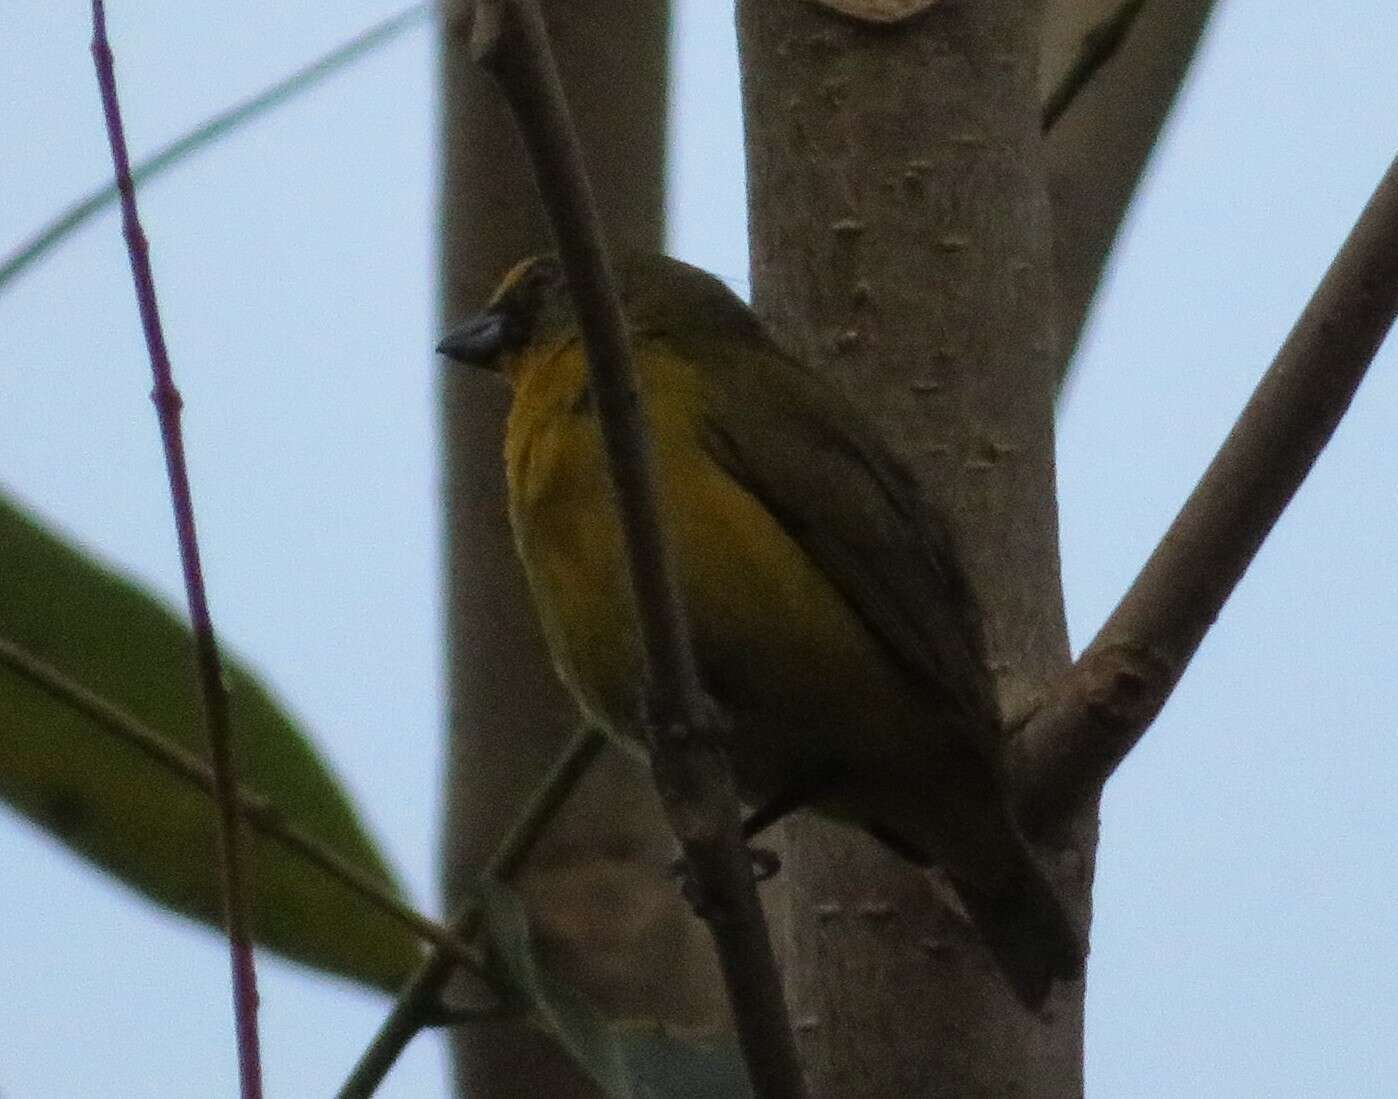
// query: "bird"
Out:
[830,618]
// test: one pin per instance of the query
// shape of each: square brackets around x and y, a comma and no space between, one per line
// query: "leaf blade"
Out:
[123,812]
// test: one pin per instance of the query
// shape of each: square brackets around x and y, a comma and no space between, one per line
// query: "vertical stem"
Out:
[208,667]
[600,902]
[691,773]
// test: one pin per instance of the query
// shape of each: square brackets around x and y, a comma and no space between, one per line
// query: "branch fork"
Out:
[1097,712]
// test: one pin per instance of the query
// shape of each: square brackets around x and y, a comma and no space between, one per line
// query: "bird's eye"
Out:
[514,330]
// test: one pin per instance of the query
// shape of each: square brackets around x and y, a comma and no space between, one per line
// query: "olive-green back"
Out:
[820,467]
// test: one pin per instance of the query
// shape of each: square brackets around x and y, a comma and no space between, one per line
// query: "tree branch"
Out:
[1095,153]
[900,248]
[1102,707]
[208,666]
[1099,45]
[418,1002]
[509,715]
[509,40]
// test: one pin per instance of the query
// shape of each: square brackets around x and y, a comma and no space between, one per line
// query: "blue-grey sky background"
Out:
[1246,934]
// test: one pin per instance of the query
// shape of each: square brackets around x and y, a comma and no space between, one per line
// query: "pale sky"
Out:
[1246,936]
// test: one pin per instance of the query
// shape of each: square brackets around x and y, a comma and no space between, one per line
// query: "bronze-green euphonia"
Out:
[829,616]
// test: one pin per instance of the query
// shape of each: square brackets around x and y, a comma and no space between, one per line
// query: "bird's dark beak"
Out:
[477,341]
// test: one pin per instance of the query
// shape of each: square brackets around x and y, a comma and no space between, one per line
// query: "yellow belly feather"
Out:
[792,656]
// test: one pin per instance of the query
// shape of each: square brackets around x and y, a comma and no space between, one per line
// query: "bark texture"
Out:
[605,915]
[901,241]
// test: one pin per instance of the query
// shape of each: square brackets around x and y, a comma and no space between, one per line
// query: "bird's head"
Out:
[532,307]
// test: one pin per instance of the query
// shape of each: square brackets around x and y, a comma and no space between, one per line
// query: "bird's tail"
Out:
[1026,928]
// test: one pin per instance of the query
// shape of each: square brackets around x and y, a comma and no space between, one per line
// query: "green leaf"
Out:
[142,823]
[626,1060]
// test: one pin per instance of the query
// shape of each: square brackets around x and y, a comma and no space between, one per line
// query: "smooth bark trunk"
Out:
[902,242]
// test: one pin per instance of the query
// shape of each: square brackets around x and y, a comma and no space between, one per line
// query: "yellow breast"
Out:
[777,644]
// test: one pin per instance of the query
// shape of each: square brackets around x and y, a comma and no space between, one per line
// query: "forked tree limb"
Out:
[1100,709]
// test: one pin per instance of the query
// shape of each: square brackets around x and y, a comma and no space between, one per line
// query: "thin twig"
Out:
[225,121]
[509,40]
[208,667]
[1099,45]
[260,812]
[1101,708]
[419,999]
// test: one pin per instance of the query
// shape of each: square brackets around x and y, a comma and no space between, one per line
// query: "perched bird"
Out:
[829,617]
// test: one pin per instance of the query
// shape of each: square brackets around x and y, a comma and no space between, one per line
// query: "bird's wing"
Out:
[789,438]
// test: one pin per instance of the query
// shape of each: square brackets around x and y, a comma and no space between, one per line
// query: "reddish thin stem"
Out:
[208,668]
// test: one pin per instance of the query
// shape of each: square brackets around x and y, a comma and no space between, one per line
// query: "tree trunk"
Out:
[605,915]
[902,242]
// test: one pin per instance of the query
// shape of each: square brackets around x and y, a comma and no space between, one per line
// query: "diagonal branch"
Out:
[509,40]
[1099,45]
[1102,707]
[207,665]
[210,130]
[419,1001]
